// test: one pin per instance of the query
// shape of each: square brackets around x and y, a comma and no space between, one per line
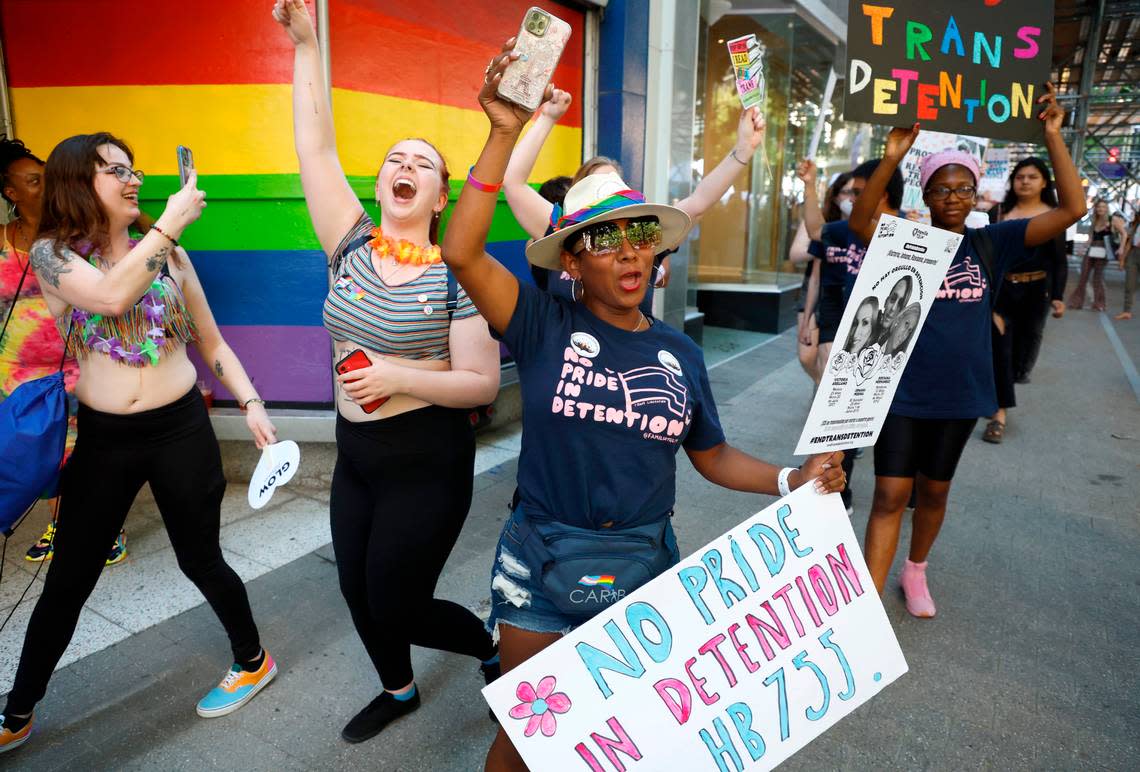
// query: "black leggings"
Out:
[174,449]
[400,493]
[1024,306]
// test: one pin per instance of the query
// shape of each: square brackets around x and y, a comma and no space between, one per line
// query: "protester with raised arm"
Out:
[598,459]
[948,380]
[127,311]
[403,479]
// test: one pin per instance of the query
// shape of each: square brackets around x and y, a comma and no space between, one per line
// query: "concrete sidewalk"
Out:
[1031,663]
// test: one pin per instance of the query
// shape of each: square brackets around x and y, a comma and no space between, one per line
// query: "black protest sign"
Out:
[975,67]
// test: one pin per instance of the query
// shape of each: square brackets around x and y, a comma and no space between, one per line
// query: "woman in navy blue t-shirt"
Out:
[609,397]
[948,382]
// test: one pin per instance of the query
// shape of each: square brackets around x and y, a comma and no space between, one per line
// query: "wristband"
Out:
[734,158]
[245,405]
[481,185]
[169,238]
[782,480]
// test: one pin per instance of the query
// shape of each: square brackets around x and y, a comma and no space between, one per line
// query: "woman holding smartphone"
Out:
[127,311]
[404,471]
[606,475]
[948,381]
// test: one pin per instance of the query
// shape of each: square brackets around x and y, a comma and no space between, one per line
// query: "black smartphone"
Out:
[185,163]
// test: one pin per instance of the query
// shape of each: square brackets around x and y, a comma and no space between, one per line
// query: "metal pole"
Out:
[1088,70]
[8,128]
[323,41]
[824,109]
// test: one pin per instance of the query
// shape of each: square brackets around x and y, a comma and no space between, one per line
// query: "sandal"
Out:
[994,432]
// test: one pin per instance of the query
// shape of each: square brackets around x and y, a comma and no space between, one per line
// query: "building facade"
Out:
[652,88]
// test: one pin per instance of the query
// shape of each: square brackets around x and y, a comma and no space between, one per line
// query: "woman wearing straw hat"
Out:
[622,393]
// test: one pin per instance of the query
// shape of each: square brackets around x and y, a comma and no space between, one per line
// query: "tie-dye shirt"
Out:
[605,411]
[32,346]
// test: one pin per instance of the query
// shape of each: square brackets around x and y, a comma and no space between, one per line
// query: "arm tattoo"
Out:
[218,367]
[155,261]
[47,264]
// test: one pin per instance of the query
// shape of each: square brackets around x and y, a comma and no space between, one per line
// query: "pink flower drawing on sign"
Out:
[538,705]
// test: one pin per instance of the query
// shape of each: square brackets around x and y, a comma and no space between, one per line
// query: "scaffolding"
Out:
[1096,66]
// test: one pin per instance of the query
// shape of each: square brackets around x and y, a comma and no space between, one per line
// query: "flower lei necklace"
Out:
[404,251]
[157,323]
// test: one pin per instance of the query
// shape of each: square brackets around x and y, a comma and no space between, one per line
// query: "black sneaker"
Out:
[376,715]
[491,672]
[42,550]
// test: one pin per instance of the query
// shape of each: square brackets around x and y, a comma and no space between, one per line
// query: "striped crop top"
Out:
[408,321]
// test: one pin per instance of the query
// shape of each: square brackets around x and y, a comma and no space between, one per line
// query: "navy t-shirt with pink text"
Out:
[950,372]
[605,411]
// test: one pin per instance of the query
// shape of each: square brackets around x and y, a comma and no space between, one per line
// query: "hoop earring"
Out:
[574,289]
[660,274]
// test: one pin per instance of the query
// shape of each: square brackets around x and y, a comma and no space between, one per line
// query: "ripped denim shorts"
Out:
[517,596]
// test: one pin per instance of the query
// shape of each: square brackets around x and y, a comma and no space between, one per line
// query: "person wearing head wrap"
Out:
[948,381]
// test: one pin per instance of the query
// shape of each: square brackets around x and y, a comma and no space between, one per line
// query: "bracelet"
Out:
[245,405]
[169,238]
[782,480]
[481,185]
[734,158]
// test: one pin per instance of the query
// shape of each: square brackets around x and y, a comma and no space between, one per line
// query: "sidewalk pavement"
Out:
[1031,663]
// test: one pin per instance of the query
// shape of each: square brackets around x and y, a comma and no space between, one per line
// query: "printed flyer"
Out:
[901,273]
[735,658]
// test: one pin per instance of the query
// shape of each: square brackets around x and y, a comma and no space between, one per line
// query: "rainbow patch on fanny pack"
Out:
[595,580]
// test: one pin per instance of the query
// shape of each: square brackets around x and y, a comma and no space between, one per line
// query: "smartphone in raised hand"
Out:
[185,164]
[539,44]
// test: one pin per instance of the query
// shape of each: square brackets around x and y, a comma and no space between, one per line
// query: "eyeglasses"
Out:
[606,237]
[941,193]
[123,174]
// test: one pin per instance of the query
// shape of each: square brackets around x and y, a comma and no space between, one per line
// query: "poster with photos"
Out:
[901,273]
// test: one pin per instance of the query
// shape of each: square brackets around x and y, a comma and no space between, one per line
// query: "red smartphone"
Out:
[357,360]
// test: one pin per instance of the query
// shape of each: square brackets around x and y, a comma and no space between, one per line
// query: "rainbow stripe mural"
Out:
[217,79]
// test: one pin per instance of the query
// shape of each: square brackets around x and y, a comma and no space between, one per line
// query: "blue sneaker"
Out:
[236,689]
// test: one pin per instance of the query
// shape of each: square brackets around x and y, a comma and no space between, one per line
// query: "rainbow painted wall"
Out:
[215,76]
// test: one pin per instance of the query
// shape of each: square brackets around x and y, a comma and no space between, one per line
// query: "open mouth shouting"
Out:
[404,189]
[630,281]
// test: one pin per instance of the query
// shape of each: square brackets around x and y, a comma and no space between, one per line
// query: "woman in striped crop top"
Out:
[403,478]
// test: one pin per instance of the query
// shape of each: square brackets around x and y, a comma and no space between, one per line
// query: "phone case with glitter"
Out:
[539,44]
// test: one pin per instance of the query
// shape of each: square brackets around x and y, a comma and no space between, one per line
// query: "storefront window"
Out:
[744,238]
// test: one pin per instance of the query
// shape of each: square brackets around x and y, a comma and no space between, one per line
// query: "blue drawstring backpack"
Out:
[33,432]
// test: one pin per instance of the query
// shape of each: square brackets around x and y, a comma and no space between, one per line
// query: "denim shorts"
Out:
[517,598]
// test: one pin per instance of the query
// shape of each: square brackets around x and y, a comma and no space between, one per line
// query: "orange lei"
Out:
[404,251]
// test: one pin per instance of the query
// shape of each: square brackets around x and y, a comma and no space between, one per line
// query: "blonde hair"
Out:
[591,165]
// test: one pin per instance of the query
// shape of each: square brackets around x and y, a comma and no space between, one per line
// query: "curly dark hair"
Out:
[12,150]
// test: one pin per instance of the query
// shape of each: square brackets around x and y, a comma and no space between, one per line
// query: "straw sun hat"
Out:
[598,198]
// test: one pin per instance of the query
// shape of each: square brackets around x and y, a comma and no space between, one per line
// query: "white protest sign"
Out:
[277,465]
[736,657]
[929,143]
[995,170]
[900,275]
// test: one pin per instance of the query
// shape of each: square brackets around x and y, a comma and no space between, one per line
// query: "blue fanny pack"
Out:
[582,571]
